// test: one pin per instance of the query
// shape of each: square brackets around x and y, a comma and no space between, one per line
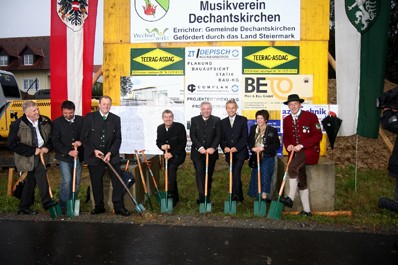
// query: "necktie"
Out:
[231,121]
[104,117]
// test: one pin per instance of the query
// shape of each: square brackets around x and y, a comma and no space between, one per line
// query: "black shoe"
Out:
[97,211]
[303,213]
[287,202]
[200,200]
[49,205]
[122,211]
[26,211]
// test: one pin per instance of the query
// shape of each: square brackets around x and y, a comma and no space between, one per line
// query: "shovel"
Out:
[139,208]
[148,165]
[147,197]
[230,206]
[73,205]
[55,210]
[166,203]
[206,206]
[276,207]
[260,206]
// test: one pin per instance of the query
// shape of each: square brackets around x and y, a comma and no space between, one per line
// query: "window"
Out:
[28,59]
[31,84]
[3,60]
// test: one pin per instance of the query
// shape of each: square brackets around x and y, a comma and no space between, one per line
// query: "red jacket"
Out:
[309,135]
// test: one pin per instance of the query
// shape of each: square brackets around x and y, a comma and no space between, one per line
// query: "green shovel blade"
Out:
[260,208]
[275,210]
[205,207]
[230,206]
[166,205]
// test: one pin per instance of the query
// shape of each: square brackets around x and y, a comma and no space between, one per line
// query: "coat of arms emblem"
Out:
[151,10]
[362,13]
[73,12]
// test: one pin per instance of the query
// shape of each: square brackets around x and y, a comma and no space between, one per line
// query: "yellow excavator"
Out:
[11,99]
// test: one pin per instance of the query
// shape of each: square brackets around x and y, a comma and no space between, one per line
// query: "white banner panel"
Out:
[216,20]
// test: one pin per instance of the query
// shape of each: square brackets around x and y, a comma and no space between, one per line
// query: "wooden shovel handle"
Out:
[258,173]
[140,168]
[166,172]
[148,165]
[48,181]
[230,171]
[284,177]
[74,172]
[207,172]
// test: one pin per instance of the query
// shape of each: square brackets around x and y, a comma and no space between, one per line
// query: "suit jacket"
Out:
[205,134]
[270,140]
[309,134]
[64,134]
[91,137]
[23,141]
[176,137]
[235,136]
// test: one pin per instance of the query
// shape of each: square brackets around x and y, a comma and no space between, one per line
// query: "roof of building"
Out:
[16,48]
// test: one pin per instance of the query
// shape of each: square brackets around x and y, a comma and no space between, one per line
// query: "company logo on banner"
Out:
[151,10]
[73,13]
[271,60]
[270,91]
[362,13]
[157,61]
[216,20]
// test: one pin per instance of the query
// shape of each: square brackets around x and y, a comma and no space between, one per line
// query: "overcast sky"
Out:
[28,18]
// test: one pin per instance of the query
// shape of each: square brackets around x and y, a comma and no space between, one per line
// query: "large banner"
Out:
[217,20]
[180,79]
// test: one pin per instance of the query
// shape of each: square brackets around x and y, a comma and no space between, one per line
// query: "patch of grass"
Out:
[371,184]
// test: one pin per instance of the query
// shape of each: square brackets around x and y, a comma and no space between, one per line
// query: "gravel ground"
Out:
[204,220]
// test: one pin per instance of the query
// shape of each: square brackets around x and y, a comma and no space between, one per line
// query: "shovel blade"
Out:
[230,207]
[166,205]
[139,208]
[275,210]
[148,199]
[70,208]
[55,211]
[260,208]
[205,207]
[77,208]
[158,197]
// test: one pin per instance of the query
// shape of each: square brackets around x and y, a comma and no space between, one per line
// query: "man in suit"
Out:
[172,136]
[234,139]
[66,137]
[101,138]
[29,137]
[205,133]
[301,135]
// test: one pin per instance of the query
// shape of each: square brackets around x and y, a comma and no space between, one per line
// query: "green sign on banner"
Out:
[270,60]
[157,61]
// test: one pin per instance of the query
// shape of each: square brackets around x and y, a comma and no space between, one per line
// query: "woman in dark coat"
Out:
[263,138]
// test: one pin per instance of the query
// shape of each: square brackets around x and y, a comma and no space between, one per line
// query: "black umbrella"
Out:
[331,124]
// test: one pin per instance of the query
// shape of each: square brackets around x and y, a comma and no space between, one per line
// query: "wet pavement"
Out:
[30,242]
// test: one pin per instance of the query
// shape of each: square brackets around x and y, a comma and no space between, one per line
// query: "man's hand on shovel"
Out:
[101,155]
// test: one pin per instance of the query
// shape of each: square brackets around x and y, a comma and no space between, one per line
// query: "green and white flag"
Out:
[361,50]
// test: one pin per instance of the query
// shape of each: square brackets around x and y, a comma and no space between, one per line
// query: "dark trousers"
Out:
[297,170]
[172,179]
[237,166]
[36,176]
[200,169]
[96,176]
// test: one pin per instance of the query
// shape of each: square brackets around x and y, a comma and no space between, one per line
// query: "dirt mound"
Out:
[365,152]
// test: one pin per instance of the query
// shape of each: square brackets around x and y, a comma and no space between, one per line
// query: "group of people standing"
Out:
[302,135]
[96,139]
